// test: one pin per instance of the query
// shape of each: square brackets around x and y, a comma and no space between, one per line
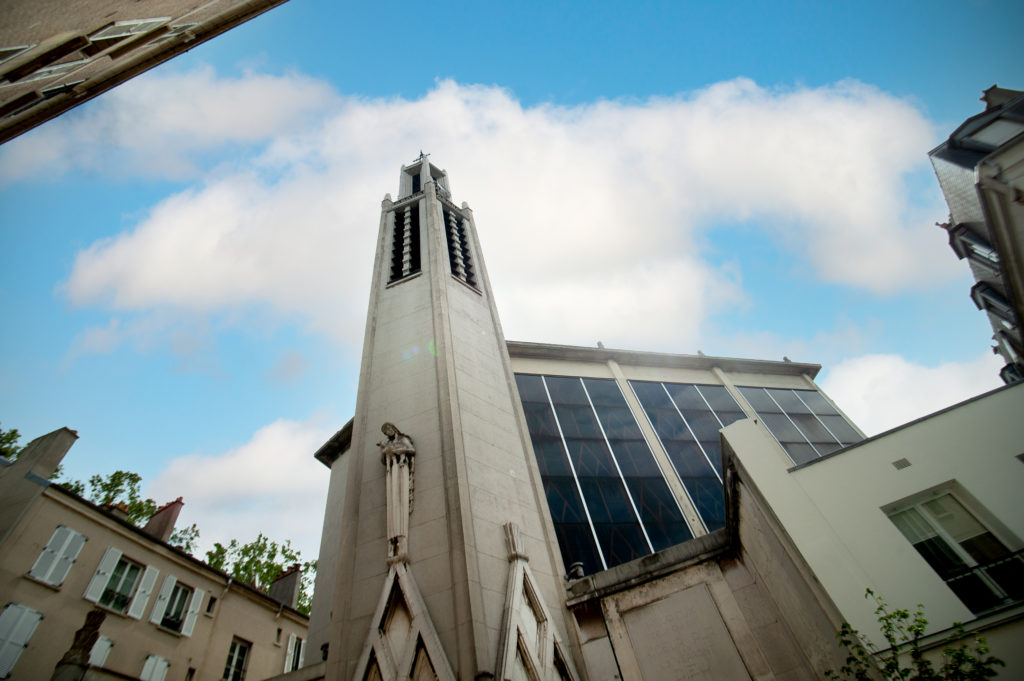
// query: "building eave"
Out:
[517,349]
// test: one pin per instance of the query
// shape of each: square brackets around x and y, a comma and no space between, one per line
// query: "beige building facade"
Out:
[166,615]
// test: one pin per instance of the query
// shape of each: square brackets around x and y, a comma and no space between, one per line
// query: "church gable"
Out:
[529,649]
[403,644]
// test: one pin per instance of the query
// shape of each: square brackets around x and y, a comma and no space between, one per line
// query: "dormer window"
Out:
[989,299]
[969,244]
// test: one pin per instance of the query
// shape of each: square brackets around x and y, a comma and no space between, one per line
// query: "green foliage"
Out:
[962,660]
[9,446]
[185,538]
[122,488]
[261,561]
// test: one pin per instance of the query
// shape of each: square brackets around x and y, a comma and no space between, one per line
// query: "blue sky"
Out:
[187,257]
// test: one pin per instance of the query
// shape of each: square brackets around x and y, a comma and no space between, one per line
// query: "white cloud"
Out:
[271,484]
[602,204]
[879,392]
[155,124]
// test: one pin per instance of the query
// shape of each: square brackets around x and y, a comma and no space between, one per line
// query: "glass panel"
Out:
[551,459]
[812,428]
[974,592]
[703,423]
[800,452]
[686,396]
[759,400]
[576,543]
[790,403]
[816,401]
[782,428]
[841,428]
[659,511]
[719,398]
[713,452]
[621,542]
[531,388]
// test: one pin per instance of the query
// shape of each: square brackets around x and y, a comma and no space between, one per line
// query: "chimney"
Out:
[161,523]
[118,510]
[285,588]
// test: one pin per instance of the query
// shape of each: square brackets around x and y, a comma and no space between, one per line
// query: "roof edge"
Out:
[659,359]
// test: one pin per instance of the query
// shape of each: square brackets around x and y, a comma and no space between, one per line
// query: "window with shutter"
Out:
[154,669]
[17,624]
[60,553]
[193,612]
[100,650]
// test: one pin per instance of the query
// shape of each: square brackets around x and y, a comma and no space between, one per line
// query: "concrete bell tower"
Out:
[445,568]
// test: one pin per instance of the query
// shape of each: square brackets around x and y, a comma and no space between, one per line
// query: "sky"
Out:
[187,258]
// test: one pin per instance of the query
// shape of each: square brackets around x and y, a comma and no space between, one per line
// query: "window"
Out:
[177,606]
[154,668]
[238,654]
[120,584]
[608,499]
[211,604]
[975,247]
[17,624]
[687,418]
[123,29]
[100,650]
[991,300]
[13,51]
[458,247]
[54,70]
[802,421]
[56,560]
[979,568]
[295,654]
[405,242]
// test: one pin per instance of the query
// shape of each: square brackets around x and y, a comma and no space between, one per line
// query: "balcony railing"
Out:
[990,585]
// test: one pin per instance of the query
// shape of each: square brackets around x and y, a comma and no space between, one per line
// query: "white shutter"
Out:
[193,612]
[46,560]
[102,576]
[160,607]
[142,594]
[161,670]
[302,653]
[154,669]
[17,624]
[67,558]
[288,655]
[100,650]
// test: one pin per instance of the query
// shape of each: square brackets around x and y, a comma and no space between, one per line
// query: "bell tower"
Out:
[445,569]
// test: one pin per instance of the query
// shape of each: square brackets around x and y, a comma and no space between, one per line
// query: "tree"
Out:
[962,660]
[260,562]
[9,446]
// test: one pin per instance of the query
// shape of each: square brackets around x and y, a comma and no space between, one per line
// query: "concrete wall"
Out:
[327,562]
[707,610]
[832,508]
[238,611]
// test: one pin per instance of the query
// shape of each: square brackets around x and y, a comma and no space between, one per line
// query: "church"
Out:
[526,511]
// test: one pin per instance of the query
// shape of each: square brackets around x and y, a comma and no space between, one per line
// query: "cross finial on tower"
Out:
[422,156]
